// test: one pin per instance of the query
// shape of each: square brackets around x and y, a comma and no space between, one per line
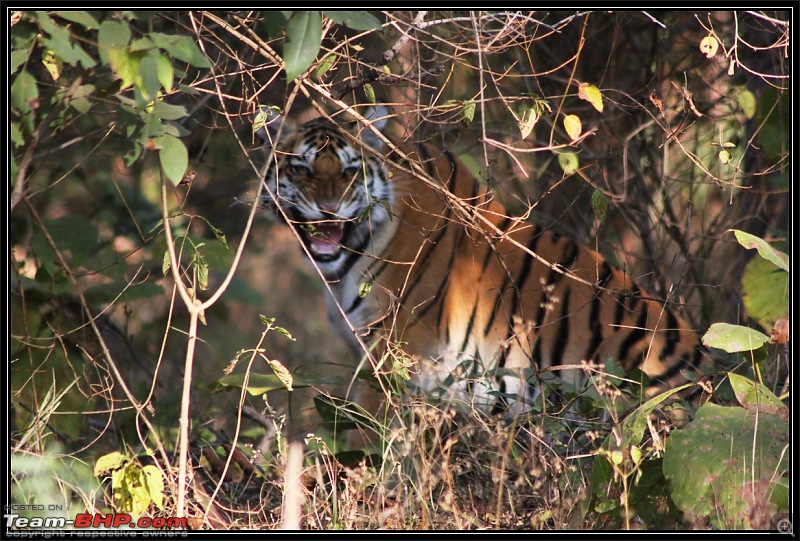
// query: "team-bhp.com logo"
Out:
[96,520]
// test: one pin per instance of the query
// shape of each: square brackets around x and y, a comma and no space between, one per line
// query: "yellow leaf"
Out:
[709,46]
[591,94]
[573,126]
[155,485]
[747,103]
[110,462]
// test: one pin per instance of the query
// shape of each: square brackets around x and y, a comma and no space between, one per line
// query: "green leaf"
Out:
[765,292]
[357,20]
[257,383]
[369,92]
[364,288]
[733,338]
[754,397]
[725,157]
[81,17]
[166,111]
[18,140]
[80,98]
[568,162]
[634,424]
[181,47]
[174,158]
[124,65]
[343,414]
[24,91]
[142,44]
[727,463]
[60,41]
[112,36]
[165,263]
[591,94]
[324,65]
[148,76]
[599,205]
[467,114]
[303,39]
[780,259]
[18,58]
[164,72]
[122,292]
[202,273]
[572,125]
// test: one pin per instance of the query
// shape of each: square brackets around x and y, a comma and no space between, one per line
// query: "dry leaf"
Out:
[780,332]
[656,100]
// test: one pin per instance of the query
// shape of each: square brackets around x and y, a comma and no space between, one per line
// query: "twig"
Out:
[375,74]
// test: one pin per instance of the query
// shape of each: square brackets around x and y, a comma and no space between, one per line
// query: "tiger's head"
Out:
[329,186]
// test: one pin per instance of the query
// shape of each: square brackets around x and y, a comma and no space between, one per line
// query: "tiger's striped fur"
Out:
[402,266]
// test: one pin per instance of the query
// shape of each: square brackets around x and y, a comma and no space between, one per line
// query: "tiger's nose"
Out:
[329,207]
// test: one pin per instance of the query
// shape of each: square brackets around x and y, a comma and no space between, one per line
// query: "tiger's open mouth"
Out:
[325,239]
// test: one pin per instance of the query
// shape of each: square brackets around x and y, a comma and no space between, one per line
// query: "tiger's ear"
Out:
[379,118]
[266,123]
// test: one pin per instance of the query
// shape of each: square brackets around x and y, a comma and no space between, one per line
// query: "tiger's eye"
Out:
[300,169]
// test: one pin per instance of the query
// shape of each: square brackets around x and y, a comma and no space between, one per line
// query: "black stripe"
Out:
[351,258]
[355,304]
[519,284]
[468,333]
[594,325]
[498,299]
[594,312]
[426,256]
[501,404]
[536,354]
[562,336]
[634,336]
[672,338]
[490,251]
[606,273]
[673,370]
[698,356]
[440,312]
[532,244]
[453,171]
[439,295]
[569,256]
[619,313]
[634,297]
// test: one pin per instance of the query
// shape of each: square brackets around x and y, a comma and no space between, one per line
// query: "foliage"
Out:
[730,465]
[134,487]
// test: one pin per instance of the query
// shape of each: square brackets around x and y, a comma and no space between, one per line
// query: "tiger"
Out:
[417,254]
